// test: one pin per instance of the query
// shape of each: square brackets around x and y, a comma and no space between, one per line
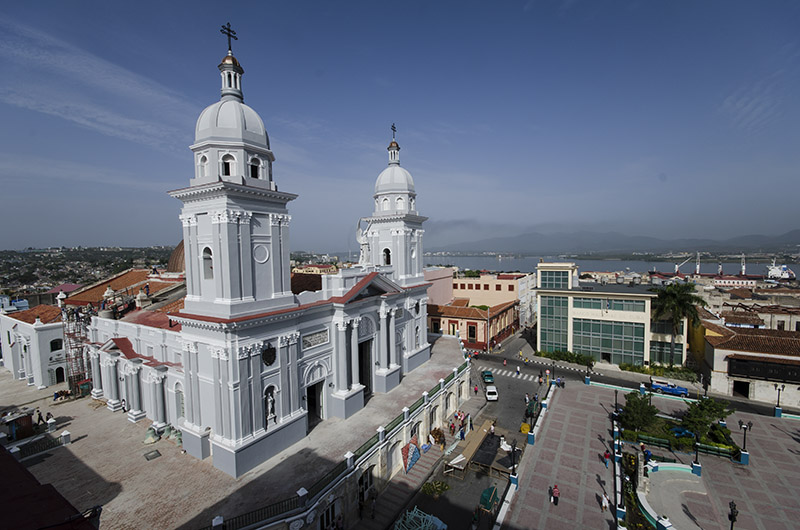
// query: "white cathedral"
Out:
[246,367]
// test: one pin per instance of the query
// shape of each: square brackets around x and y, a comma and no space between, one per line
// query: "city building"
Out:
[611,322]
[753,363]
[472,324]
[440,279]
[315,268]
[246,363]
[33,345]
[495,289]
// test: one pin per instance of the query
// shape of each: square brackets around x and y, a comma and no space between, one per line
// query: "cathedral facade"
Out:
[246,367]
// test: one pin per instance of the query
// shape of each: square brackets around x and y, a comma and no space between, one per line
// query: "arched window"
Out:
[56,344]
[202,166]
[254,167]
[400,203]
[228,165]
[411,203]
[208,265]
[385,204]
[387,256]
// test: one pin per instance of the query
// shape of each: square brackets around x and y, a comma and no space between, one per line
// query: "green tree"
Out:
[674,303]
[637,413]
[702,413]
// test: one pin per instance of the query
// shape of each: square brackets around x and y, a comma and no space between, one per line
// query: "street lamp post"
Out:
[745,427]
[733,513]
[779,388]
[554,369]
[696,449]
[513,455]
[616,406]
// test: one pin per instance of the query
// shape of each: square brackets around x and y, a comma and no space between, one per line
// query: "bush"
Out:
[676,372]
[567,356]
[435,488]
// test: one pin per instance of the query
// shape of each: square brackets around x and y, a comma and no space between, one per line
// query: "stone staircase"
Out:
[394,498]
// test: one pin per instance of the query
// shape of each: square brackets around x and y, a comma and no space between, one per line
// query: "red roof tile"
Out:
[47,314]
[66,287]
[153,319]
[771,341]
[124,345]
[129,281]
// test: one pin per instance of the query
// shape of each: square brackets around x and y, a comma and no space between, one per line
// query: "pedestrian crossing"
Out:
[527,377]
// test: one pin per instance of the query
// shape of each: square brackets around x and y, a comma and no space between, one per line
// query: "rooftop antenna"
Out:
[226,30]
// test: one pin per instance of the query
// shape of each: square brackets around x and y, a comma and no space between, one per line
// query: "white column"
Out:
[383,348]
[97,379]
[292,393]
[392,338]
[136,388]
[341,356]
[354,351]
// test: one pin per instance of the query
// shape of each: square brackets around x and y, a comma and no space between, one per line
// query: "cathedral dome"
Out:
[394,179]
[231,120]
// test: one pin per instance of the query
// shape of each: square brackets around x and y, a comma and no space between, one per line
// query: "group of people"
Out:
[459,423]
[42,419]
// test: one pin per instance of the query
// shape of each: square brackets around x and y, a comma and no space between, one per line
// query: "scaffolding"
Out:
[79,370]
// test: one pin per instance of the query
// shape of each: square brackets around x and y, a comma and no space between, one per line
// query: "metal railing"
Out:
[40,446]
[286,507]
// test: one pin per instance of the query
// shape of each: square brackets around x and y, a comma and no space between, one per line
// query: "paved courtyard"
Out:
[105,465]
[576,432]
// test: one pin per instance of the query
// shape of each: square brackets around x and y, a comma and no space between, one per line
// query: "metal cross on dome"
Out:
[226,30]
[394,131]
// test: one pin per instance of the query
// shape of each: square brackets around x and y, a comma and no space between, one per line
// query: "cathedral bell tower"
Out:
[235,221]
[394,236]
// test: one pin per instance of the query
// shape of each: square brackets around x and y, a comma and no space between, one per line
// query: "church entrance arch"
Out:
[60,374]
[365,366]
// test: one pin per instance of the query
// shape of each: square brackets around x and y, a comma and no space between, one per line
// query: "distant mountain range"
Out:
[615,242]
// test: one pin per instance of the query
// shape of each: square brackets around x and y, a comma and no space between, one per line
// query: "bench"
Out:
[655,442]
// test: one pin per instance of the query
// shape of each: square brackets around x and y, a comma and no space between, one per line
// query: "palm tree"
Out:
[674,303]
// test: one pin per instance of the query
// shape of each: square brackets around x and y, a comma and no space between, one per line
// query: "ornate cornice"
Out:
[290,339]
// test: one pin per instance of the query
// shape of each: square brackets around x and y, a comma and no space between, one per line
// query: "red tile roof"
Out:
[346,298]
[770,341]
[47,313]
[153,319]
[739,317]
[124,345]
[129,281]
[468,312]
[66,287]
[775,360]
[460,302]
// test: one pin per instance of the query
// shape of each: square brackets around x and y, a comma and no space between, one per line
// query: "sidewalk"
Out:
[403,488]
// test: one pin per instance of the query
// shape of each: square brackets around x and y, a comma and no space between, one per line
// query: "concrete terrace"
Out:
[105,464]
[575,433]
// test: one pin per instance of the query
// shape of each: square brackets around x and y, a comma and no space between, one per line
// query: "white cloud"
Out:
[54,77]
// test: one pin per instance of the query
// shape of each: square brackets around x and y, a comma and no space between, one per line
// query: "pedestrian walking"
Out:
[517,369]
[550,493]
[491,429]
[504,362]
[527,398]
[461,432]
[471,428]
[606,458]
[556,494]
[476,390]
[123,406]
[605,503]
[39,419]
[49,416]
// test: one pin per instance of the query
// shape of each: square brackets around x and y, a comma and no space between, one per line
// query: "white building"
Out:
[33,345]
[247,367]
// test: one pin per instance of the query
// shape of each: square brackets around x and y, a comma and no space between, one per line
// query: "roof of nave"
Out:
[128,282]
[47,314]
[124,345]
[154,319]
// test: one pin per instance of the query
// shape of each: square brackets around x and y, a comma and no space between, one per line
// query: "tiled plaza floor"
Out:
[577,430]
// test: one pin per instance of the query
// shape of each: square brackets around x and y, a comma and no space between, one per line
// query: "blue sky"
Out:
[662,118]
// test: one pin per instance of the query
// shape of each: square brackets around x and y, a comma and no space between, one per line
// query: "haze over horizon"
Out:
[661,119]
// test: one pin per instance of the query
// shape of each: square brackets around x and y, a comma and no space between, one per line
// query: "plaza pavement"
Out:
[105,464]
[576,431]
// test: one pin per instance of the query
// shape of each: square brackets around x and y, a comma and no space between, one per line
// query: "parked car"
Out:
[665,387]
[487,376]
[491,393]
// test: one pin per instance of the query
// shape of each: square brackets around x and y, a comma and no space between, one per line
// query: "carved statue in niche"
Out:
[270,402]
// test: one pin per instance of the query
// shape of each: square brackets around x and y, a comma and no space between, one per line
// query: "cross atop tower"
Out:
[226,30]
[394,130]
